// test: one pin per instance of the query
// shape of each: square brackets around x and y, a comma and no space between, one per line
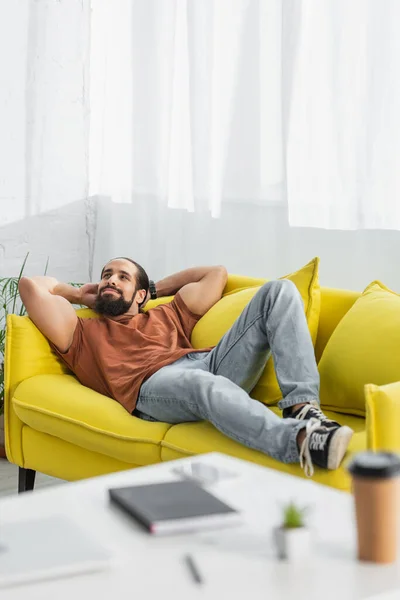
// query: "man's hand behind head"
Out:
[88,294]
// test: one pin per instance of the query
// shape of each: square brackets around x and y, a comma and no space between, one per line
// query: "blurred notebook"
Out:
[174,507]
[48,548]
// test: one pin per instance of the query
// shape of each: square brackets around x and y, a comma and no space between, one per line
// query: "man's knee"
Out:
[277,287]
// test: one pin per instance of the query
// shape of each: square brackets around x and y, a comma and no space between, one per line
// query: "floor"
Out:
[9,479]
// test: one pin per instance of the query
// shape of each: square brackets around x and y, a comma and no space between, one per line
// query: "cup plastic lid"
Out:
[375,464]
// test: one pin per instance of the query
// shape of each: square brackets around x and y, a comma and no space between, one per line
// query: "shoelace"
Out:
[305,456]
[316,410]
[318,440]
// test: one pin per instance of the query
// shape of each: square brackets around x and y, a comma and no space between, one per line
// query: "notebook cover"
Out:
[177,500]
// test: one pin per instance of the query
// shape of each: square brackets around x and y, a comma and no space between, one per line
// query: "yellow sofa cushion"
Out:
[383,416]
[187,439]
[364,348]
[55,457]
[60,406]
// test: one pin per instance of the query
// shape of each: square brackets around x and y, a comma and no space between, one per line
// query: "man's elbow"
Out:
[224,273]
[223,276]
[23,286]
[23,281]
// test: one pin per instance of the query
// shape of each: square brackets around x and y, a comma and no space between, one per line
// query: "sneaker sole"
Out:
[338,446]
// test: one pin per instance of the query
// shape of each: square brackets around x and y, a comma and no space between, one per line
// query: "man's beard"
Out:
[110,306]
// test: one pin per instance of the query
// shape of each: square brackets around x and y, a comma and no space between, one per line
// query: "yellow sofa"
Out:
[56,426]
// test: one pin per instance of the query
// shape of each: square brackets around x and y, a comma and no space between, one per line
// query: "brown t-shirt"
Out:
[115,357]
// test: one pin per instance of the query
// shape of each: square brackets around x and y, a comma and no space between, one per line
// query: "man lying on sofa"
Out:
[145,360]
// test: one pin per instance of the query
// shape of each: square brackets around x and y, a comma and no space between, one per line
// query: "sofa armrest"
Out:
[383,417]
[27,353]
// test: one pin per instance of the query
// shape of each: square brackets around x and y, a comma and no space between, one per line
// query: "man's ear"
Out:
[140,296]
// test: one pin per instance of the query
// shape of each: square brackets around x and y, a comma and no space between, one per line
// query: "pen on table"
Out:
[194,571]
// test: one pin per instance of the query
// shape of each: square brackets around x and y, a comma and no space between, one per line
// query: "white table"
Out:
[236,563]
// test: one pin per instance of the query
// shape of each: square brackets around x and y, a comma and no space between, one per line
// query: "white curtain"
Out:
[181,107]
[208,106]
[343,144]
[44,59]
[201,103]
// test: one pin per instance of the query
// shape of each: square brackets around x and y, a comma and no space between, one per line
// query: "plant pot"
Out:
[292,544]
[2,449]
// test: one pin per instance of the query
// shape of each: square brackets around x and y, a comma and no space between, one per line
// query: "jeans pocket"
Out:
[197,355]
[141,415]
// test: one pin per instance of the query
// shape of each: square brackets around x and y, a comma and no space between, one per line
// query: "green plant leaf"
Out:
[19,277]
[47,264]
[6,287]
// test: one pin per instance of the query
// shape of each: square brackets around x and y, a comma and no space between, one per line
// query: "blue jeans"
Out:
[215,385]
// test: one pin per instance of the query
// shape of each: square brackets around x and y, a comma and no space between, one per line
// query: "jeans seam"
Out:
[190,356]
[257,318]
[169,400]
[294,449]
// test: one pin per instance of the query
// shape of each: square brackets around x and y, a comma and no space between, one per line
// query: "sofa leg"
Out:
[26,480]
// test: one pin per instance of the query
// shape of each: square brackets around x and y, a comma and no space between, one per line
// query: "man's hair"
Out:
[142,279]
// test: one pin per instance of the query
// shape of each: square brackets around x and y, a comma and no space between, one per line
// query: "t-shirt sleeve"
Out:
[71,357]
[186,316]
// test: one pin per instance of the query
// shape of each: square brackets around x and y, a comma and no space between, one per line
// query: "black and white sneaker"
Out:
[311,411]
[323,447]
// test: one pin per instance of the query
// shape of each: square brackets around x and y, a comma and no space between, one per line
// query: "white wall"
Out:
[60,235]
[253,240]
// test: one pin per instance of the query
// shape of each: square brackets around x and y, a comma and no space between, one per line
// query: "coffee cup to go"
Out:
[376,477]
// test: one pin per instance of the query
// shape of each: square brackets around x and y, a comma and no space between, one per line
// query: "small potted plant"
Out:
[292,537]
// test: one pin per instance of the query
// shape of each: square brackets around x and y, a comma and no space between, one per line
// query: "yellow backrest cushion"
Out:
[216,322]
[335,303]
[364,348]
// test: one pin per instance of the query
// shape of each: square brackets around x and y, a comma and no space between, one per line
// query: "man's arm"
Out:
[199,287]
[48,303]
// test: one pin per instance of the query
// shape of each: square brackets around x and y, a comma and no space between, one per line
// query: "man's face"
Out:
[117,289]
